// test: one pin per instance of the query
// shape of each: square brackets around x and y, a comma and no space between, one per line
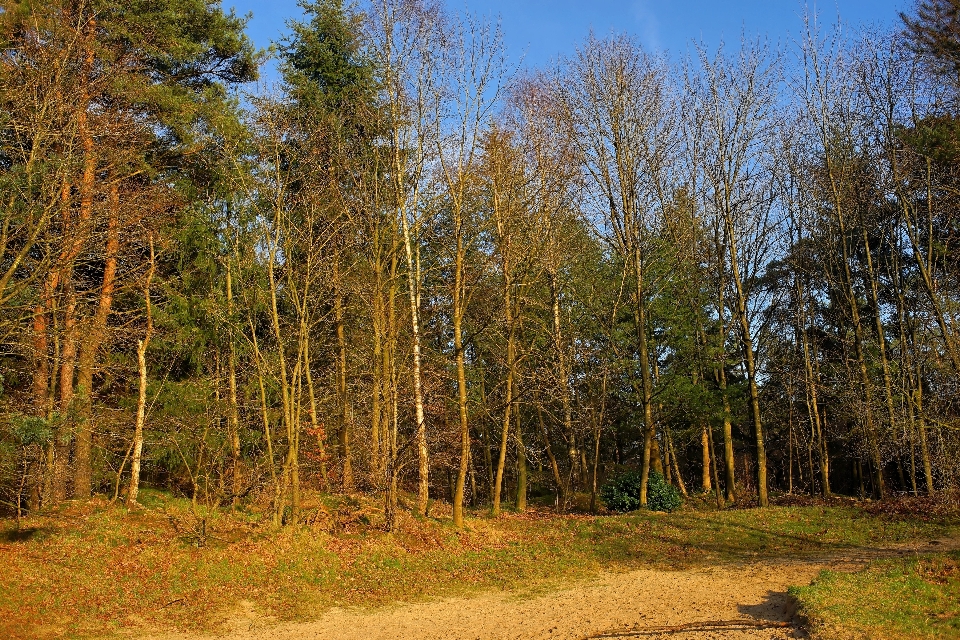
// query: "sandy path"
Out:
[749,600]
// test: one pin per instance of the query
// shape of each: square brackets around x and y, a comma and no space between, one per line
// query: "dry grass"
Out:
[92,569]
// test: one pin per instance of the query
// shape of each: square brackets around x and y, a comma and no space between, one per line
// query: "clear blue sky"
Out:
[544,29]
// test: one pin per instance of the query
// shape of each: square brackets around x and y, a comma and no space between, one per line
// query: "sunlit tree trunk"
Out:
[827,104]
[142,345]
[870,427]
[267,431]
[77,237]
[511,363]
[236,476]
[814,411]
[646,380]
[94,339]
[563,373]
[705,484]
[389,373]
[401,172]
[413,278]
[720,374]
[458,347]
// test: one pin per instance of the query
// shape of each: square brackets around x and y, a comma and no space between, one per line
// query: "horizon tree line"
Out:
[411,270]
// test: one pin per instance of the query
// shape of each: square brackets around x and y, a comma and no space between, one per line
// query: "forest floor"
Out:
[735,602]
[167,571]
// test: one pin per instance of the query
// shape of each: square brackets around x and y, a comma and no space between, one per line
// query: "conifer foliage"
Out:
[408,270]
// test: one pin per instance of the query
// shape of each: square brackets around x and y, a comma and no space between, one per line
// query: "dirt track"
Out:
[748,601]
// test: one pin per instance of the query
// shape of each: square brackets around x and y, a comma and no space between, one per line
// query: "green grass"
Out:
[95,568]
[906,598]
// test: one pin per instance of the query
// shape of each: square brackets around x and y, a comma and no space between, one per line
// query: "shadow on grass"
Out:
[25,534]
[686,540]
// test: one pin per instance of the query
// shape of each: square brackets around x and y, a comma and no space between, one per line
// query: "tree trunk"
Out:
[563,372]
[814,412]
[557,479]
[911,370]
[851,298]
[716,479]
[413,287]
[720,376]
[390,376]
[676,466]
[811,380]
[746,342]
[234,417]
[391,508]
[728,459]
[925,264]
[508,403]
[142,345]
[521,463]
[343,398]
[316,426]
[378,448]
[667,467]
[458,312]
[656,455]
[869,424]
[95,338]
[922,430]
[41,356]
[705,485]
[68,357]
[267,434]
[640,316]
[77,238]
[596,464]
[289,378]
[878,327]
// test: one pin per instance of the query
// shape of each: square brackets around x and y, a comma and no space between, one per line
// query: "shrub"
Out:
[622,493]
[662,496]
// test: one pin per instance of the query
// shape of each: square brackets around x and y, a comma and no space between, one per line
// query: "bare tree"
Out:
[406,38]
[826,97]
[736,99]
[472,74]
[618,103]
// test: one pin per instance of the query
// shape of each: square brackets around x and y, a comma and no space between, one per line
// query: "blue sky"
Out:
[540,30]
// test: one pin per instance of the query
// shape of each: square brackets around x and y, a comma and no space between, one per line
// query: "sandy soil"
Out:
[747,601]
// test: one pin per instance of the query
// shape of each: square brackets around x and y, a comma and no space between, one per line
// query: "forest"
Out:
[412,270]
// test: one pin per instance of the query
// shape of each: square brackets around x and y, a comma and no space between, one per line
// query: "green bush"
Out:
[662,496]
[622,493]
[30,430]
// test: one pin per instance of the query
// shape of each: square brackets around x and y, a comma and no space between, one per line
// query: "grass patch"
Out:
[914,598]
[97,568]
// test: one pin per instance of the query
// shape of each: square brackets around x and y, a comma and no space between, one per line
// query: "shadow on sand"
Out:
[777,611]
